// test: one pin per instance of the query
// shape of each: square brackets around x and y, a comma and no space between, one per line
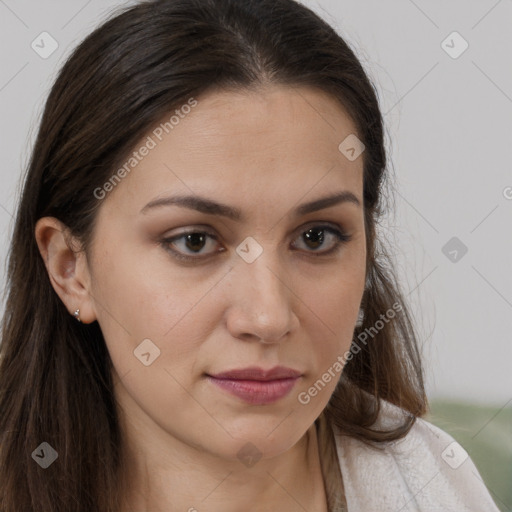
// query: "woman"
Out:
[200,314]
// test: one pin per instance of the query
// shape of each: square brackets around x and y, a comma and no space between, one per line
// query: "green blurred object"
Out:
[486,434]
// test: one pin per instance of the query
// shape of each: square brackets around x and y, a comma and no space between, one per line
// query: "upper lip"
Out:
[256,373]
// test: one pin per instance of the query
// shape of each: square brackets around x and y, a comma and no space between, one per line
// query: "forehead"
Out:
[276,140]
[277,115]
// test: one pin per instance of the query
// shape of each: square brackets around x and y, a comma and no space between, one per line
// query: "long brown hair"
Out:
[147,60]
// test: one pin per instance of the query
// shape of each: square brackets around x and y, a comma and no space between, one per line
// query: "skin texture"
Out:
[264,152]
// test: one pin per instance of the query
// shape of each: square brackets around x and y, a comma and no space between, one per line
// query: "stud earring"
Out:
[77,315]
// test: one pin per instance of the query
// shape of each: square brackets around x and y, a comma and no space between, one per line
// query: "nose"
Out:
[261,304]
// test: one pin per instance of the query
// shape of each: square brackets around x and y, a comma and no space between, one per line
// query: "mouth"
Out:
[257,386]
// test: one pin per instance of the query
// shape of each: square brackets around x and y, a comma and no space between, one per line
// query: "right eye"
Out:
[193,241]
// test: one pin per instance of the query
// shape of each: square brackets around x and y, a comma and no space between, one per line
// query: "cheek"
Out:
[336,302]
[335,307]
[148,305]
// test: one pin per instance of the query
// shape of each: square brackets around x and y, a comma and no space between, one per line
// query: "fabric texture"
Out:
[426,471]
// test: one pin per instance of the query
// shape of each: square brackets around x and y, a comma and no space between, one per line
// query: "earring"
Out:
[77,315]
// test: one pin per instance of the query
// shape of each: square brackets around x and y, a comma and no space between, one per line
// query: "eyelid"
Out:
[338,231]
[341,235]
[167,241]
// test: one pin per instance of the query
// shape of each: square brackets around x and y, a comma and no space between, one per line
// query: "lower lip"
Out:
[256,392]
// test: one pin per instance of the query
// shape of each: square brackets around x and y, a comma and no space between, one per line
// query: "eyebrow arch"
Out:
[204,205]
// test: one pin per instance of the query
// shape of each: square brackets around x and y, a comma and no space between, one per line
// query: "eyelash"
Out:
[341,239]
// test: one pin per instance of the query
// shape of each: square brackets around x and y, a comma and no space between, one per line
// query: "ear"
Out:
[67,267]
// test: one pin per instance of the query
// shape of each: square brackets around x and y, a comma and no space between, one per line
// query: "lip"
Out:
[256,373]
[255,385]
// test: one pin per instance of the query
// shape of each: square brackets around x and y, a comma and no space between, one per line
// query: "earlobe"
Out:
[66,266]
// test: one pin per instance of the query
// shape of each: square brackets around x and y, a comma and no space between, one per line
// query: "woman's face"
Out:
[266,282]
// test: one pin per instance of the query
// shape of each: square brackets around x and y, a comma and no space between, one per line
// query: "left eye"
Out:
[195,241]
[315,237]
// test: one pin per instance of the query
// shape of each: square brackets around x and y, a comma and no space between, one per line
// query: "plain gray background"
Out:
[449,130]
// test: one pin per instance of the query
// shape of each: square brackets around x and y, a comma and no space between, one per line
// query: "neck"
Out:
[181,478]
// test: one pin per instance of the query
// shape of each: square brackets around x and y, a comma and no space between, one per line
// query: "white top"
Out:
[426,471]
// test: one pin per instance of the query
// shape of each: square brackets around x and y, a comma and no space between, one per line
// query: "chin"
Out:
[266,438]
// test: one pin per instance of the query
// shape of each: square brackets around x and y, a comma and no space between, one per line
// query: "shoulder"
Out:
[427,470]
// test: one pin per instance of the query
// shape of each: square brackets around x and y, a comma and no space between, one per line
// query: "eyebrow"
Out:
[208,206]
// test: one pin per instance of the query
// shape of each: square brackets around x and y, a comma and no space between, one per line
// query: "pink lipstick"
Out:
[255,385]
